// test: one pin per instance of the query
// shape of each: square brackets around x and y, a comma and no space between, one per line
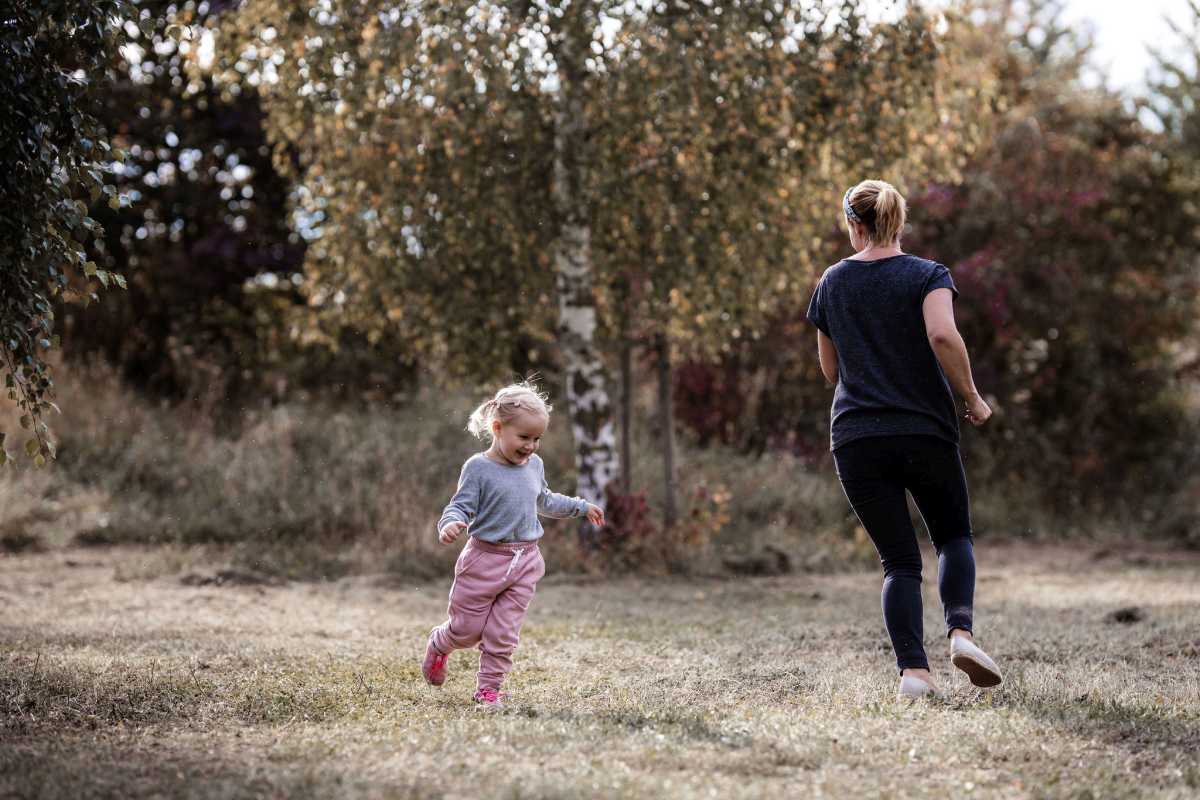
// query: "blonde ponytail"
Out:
[506,405]
[880,208]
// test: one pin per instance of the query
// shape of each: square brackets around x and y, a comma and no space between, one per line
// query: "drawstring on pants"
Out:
[515,560]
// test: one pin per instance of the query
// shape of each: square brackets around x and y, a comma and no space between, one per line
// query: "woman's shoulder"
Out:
[920,262]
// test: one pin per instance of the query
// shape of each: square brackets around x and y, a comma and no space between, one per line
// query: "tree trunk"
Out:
[626,409]
[666,423]
[587,397]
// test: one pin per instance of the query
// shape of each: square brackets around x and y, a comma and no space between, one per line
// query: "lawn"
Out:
[122,678]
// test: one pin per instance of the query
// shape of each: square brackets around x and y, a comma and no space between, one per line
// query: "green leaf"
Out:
[114,202]
[103,276]
[26,422]
[3,456]
[32,446]
[90,268]
[120,279]
[39,461]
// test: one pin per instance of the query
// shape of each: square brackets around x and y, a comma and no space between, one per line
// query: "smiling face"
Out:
[517,439]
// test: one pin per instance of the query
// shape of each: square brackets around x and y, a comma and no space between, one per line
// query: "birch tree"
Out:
[467,167]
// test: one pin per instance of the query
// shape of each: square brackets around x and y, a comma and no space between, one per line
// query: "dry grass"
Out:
[116,686]
[312,491]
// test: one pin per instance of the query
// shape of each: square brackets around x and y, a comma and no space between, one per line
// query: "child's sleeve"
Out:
[559,506]
[465,503]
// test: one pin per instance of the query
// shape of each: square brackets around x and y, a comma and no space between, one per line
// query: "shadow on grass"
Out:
[1081,698]
[135,765]
[1088,716]
[37,694]
[74,729]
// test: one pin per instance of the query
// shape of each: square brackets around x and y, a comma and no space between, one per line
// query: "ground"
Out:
[120,677]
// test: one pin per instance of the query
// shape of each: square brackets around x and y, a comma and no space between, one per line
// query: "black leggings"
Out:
[875,473]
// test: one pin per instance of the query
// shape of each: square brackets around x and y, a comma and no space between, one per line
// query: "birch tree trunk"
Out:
[588,400]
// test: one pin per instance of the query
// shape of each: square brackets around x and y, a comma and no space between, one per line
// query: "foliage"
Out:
[52,53]
[1071,243]
[203,212]
[713,137]
[313,488]
[1078,243]
[1175,94]
[461,166]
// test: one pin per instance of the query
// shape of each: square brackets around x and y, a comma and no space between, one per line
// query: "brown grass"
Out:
[113,685]
[317,491]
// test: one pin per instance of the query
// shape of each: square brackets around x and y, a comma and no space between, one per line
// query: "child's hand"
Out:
[595,515]
[449,533]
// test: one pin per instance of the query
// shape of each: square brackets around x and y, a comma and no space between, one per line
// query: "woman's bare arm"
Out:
[951,352]
[827,355]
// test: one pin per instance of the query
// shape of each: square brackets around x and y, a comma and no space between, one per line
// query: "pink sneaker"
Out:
[434,665]
[490,699]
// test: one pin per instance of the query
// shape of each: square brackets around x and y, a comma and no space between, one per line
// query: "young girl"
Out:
[500,494]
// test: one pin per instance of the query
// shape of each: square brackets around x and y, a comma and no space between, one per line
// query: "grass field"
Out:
[114,684]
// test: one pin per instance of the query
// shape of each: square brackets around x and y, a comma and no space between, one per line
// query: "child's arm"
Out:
[559,506]
[461,510]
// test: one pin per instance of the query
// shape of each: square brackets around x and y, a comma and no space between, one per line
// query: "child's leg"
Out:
[471,596]
[502,628]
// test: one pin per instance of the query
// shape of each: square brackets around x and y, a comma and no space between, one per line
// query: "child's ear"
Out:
[496,427]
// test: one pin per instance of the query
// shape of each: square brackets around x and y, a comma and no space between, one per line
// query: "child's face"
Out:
[518,439]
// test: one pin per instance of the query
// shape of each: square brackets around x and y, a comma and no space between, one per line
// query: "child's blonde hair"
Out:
[506,405]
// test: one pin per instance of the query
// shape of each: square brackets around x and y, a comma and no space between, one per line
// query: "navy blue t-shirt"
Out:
[889,381]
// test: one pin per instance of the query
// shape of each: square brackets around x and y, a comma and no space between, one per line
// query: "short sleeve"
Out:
[939,278]
[816,308]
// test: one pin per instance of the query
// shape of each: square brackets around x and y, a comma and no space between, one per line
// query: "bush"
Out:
[321,489]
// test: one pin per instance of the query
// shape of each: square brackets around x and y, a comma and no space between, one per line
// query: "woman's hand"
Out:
[595,515]
[978,411]
[448,534]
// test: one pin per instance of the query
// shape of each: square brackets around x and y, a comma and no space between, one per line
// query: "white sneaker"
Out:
[912,688]
[965,655]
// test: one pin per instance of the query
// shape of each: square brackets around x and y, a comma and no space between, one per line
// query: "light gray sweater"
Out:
[501,502]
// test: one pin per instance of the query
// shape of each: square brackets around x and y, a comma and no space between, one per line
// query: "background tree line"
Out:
[325,198]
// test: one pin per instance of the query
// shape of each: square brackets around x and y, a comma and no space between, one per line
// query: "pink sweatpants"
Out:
[493,585]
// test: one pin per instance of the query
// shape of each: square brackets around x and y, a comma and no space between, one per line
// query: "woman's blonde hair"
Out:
[506,405]
[879,208]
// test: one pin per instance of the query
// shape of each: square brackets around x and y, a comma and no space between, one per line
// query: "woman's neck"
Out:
[873,252]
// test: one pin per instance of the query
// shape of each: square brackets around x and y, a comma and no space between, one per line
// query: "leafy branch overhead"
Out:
[53,164]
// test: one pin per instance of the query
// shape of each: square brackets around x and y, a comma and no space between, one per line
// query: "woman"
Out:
[887,339]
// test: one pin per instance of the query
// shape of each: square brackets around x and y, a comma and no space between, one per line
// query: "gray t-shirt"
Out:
[889,381]
[501,502]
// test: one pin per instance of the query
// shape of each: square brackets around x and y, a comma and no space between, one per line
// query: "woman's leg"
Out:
[865,469]
[939,487]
